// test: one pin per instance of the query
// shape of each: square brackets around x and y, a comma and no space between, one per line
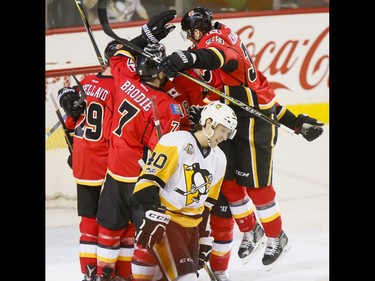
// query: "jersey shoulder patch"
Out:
[175,109]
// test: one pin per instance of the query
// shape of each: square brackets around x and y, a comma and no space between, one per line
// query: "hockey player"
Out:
[225,63]
[177,188]
[90,124]
[133,134]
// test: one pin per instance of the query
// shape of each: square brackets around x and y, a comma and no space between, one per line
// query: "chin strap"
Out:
[208,136]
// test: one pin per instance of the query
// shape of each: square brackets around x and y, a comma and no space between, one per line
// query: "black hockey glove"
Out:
[66,97]
[308,127]
[153,227]
[205,248]
[177,61]
[69,161]
[157,28]
[195,114]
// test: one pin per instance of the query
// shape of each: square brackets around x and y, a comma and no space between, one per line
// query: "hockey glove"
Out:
[310,128]
[157,28]
[66,97]
[205,248]
[177,61]
[153,227]
[69,161]
[195,113]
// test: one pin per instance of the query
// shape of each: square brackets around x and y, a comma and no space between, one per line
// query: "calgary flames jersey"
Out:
[236,74]
[188,177]
[133,128]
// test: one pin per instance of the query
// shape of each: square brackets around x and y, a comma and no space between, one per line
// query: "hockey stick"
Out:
[208,269]
[156,117]
[244,106]
[68,138]
[89,31]
[54,128]
[102,13]
[79,102]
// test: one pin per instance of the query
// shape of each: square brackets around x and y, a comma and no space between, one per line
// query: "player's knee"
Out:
[262,196]
[128,236]
[89,227]
[109,238]
[232,191]
[221,228]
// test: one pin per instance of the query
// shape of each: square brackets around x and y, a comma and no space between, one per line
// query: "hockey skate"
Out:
[276,249]
[252,242]
[119,278]
[90,273]
[106,276]
[221,275]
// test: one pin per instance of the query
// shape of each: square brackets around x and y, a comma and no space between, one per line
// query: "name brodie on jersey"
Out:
[136,94]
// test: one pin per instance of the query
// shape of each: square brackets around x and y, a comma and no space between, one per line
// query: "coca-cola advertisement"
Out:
[290,48]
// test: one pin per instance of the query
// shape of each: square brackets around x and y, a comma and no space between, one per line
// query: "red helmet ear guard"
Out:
[197,18]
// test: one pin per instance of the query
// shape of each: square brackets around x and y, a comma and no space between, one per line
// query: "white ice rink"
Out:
[301,180]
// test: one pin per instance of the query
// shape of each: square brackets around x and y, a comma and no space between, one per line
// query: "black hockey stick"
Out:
[156,117]
[208,269]
[102,14]
[79,102]
[68,137]
[89,31]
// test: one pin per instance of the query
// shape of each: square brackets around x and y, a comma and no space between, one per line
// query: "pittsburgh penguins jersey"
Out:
[188,177]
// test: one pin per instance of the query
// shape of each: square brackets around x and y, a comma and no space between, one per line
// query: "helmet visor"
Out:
[231,134]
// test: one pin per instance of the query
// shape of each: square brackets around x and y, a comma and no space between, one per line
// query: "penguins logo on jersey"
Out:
[198,182]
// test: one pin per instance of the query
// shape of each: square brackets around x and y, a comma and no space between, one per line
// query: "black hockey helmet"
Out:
[197,18]
[110,50]
[146,67]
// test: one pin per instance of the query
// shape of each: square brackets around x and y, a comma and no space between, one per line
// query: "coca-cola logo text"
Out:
[285,57]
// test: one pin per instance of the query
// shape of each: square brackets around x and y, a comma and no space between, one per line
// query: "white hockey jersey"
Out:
[189,177]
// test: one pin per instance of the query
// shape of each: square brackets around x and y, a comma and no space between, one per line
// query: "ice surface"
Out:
[301,180]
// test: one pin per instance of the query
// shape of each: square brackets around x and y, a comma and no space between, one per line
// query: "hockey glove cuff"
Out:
[177,61]
[153,227]
[205,248]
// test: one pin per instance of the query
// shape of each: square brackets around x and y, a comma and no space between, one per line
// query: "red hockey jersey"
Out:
[133,128]
[91,130]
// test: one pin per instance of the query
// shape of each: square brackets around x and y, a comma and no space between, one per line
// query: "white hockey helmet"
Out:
[220,113]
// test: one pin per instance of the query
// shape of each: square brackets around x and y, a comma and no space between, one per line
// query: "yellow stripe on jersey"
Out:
[185,221]
[218,54]
[124,53]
